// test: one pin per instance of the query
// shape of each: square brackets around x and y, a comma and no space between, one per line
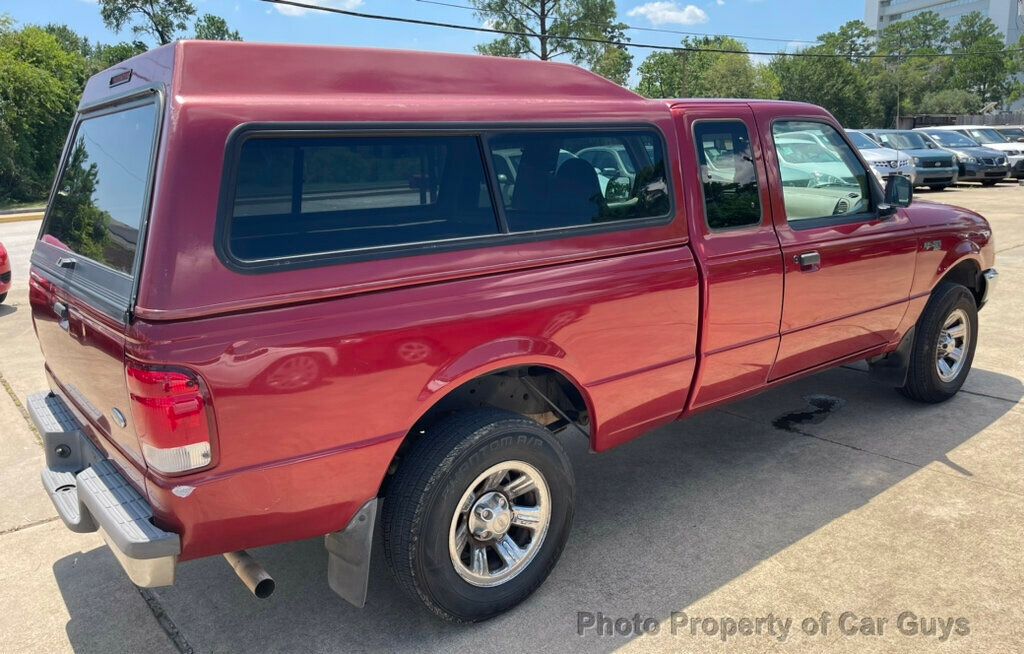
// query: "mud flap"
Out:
[348,556]
[892,368]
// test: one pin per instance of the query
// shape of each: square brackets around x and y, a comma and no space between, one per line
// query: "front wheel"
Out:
[939,187]
[947,334]
[989,182]
[478,513]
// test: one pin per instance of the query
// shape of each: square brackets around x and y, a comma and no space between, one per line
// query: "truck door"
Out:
[849,268]
[732,233]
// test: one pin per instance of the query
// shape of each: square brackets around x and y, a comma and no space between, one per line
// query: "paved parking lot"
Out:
[879,507]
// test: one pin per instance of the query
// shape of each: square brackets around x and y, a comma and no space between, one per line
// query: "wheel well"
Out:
[536,392]
[967,273]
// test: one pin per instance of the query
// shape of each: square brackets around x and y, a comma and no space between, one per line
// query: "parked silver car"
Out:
[933,167]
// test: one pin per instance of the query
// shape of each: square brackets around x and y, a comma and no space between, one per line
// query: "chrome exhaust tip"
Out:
[251,573]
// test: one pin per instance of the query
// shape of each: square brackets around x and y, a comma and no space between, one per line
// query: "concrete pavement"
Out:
[876,508]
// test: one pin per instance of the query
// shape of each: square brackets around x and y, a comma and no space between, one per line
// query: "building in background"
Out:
[1006,14]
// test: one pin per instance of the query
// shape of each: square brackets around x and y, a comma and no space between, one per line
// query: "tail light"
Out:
[172,419]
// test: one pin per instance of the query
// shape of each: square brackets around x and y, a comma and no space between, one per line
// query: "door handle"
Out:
[808,260]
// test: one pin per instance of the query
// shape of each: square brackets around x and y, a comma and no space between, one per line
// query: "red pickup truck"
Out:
[290,292]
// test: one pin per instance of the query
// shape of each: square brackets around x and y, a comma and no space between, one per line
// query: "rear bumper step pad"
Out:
[90,494]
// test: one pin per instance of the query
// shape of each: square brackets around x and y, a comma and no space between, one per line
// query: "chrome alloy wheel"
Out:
[499,523]
[954,341]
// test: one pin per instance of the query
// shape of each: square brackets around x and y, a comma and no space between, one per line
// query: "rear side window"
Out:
[551,180]
[98,208]
[310,196]
[727,174]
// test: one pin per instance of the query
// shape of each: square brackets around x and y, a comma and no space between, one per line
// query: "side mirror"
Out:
[899,192]
[618,189]
[1020,139]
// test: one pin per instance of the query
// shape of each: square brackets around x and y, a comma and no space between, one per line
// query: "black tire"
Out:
[422,497]
[923,381]
[939,187]
[989,182]
[3,296]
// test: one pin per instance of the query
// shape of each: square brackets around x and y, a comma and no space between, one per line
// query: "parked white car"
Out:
[883,161]
[990,138]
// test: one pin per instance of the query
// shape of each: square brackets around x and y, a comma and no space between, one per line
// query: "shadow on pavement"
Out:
[660,523]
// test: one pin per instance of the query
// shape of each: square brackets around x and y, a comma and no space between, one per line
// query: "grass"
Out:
[18,206]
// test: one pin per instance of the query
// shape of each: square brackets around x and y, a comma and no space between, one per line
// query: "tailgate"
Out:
[86,260]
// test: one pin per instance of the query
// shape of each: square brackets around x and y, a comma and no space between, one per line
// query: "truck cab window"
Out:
[727,174]
[821,176]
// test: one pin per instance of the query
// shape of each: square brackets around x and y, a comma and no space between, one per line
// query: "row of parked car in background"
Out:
[938,157]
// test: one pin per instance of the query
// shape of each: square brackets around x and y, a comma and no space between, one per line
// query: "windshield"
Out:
[1012,132]
[796,152]
[953,140]
[903,141]
[862,142]
[986,136]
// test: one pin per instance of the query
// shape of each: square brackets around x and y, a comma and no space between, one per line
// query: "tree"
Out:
[550,26]
[926,32]
[161,19]
[950,101]
[703,72]
[987,70]
[40,83]
[164,20]
[661,75]
[614,63]
[215,28]
[833,83]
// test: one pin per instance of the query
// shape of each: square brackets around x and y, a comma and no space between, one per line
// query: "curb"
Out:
[20,217]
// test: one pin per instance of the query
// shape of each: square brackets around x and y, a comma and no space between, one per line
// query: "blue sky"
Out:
[259,21]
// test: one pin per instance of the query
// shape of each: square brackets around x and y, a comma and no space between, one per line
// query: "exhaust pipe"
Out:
[251,573]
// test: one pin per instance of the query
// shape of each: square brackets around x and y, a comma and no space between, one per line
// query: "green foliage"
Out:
[164,20]
[614,64]
[836,84]
[548,27]
[39,87]
[215,28]
[925,32]
[161,19]
[74,214]
[705,73]
[988,71]
[950,101]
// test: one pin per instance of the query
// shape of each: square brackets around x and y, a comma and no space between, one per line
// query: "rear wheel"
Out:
[477,515]
[944,345]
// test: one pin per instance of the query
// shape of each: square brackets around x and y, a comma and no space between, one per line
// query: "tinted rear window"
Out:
[566,179]
[327,194]
[101,195]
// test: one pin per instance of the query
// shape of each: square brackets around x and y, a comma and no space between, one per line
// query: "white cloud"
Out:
[719,2]
[667,13]
[292,10]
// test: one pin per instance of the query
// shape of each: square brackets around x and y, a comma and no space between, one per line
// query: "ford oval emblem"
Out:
[119,418]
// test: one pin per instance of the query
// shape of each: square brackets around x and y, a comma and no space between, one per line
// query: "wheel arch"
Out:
[538,387]
[963,267]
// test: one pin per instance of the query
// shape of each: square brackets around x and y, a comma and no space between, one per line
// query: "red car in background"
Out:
[5,273]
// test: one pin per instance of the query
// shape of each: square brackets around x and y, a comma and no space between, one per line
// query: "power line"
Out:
[627,44]
[660,30]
